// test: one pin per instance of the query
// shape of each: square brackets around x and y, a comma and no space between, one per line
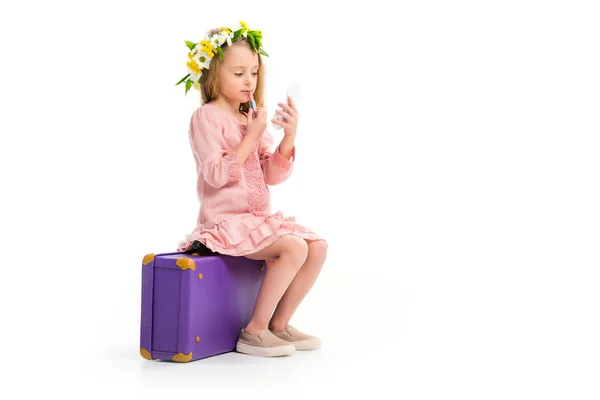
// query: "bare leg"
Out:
[300,286]
[290,253]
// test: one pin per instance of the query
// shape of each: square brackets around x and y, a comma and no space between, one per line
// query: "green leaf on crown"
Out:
[182,79]
[220,51]
[237,34]
[190,45]
[188,85]
[252,42]
[261,51]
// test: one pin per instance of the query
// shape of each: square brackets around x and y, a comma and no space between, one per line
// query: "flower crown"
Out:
[201,53]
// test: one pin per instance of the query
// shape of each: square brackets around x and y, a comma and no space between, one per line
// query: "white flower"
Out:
[214,40]
[224,37]
[229,39]
[202,59]
[195,77]
[245,34]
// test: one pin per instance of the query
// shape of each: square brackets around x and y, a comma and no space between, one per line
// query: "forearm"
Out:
[245,148]
[286,146]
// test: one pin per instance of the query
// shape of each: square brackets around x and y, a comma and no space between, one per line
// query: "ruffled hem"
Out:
[250,235]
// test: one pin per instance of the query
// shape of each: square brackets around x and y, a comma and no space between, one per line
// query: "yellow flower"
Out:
[209,50]
[242,23]
[191,64]
[226,30]
[190,55]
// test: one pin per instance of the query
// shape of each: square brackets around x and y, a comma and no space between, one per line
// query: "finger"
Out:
[287,116]
[288,108]
[292,103]
[278,122]
[259,112]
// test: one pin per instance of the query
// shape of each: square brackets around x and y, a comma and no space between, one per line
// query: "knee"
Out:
[296,248]
[318,248]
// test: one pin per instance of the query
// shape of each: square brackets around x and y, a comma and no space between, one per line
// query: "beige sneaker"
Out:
[264,344]
[301,341]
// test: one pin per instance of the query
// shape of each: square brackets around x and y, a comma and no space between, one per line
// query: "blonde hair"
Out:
[209,84]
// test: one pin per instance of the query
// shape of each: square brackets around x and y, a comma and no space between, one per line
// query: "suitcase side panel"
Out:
[166,308]
[220,297]
[183,339]
[246,276]
[146,309]
[203,311]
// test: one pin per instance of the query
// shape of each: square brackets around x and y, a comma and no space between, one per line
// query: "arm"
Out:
[276,167]
[219,165]
[286,147]
[245,148]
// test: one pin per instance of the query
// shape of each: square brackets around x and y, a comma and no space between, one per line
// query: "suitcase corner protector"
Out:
[180,357]
[186,263]
[145,353]
[148,258]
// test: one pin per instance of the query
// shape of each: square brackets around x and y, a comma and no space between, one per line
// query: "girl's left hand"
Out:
[290,115]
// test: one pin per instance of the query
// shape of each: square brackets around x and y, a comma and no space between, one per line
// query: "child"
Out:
[235,165]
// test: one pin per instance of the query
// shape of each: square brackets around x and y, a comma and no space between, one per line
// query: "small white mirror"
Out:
[294,91]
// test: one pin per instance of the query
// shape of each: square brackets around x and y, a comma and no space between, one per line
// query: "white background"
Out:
[448,152]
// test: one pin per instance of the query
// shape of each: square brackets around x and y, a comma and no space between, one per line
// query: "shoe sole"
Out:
[308,344]
[278,351]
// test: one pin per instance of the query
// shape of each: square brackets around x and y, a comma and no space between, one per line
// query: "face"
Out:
[238,74]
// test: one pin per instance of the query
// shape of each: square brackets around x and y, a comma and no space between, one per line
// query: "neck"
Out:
[232,107]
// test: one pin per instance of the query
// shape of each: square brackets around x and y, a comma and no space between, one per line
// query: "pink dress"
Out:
[235,212]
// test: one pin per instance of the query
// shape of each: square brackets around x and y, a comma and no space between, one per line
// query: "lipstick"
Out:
[252,104]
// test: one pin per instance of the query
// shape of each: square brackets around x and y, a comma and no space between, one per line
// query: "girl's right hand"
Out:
[257,126]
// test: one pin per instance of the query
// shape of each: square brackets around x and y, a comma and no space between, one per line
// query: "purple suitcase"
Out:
[195,306]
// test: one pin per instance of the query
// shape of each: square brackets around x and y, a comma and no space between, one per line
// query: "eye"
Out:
[240,74]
